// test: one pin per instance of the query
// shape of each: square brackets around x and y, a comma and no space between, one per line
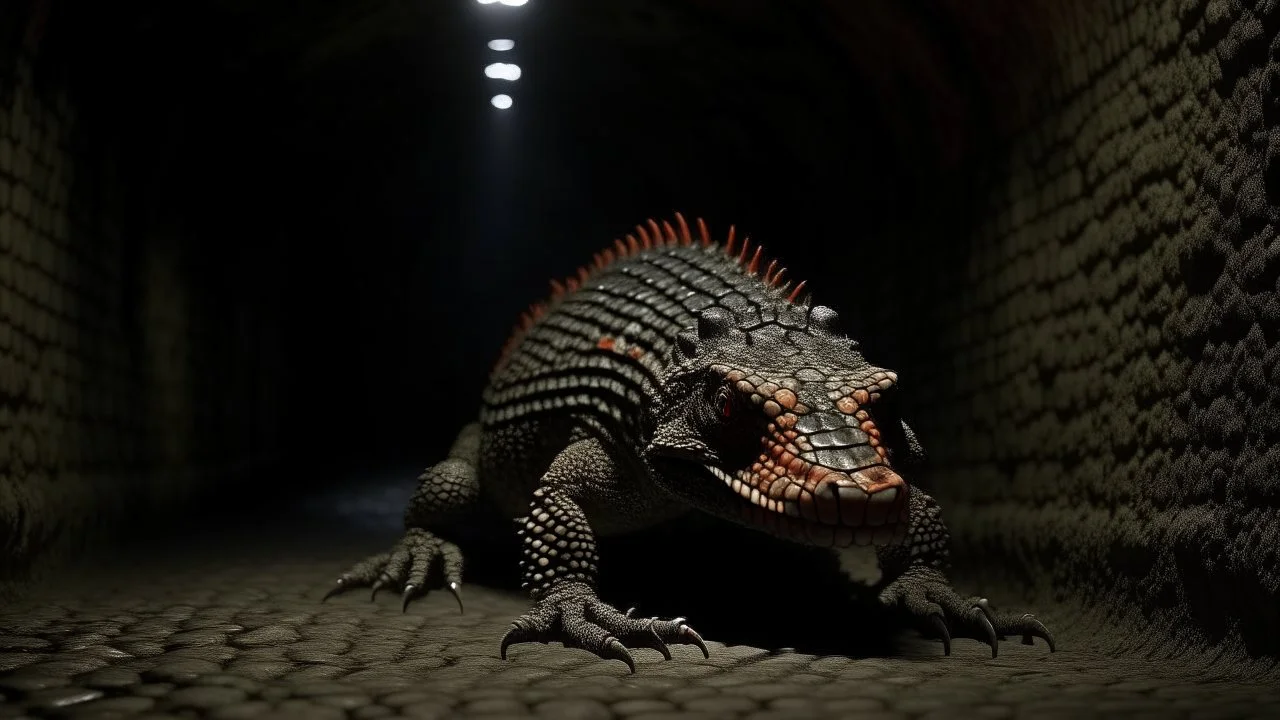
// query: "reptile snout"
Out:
[871,497]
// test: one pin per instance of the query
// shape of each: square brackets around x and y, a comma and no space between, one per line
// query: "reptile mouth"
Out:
[862,508]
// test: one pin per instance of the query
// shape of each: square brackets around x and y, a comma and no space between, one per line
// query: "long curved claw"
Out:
[984,616]
[337,589]
[984,605]
[406,565]
[653,641]
[1035,628]
[572,614]
[634,632]
[517,633]
[691,637]
[677,630]
[457,595]
[940,624]
[614,650]
[926,595]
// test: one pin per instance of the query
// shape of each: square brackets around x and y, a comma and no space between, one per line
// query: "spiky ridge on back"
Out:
[648,235]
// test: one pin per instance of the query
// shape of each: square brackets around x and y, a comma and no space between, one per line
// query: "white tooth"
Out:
[851,493]
[736,485]
[772,505]
[755,496]
[885,496]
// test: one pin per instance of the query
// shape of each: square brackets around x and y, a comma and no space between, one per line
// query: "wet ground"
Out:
[236,630]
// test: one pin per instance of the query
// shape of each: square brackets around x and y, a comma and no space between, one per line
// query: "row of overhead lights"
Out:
[508,72]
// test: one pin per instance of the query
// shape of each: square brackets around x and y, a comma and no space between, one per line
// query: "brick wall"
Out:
[1104,366]
[134,376]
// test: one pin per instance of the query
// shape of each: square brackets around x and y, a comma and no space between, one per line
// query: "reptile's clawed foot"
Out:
[406,567]
[928,597]
[573,615]
[1025,625]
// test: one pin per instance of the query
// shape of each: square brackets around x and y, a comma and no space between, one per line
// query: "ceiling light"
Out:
[502,71]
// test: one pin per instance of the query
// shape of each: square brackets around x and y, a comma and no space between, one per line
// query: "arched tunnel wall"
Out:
[1101,366]
[1058,227]
[134,377]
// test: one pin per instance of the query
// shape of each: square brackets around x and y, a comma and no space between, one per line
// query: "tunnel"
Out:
[258,261]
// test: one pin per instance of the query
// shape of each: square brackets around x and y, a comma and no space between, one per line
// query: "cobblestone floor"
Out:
[241,634]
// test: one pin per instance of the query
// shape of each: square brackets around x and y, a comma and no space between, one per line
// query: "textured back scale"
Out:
[599,345]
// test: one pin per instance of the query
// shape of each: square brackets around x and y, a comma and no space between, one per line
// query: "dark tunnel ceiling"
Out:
[345,155]
[964,58]
[647,84]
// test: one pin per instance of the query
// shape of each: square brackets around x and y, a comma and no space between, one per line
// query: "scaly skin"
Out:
[674,376]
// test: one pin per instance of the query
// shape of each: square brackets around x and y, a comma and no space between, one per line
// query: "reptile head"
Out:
[778,422]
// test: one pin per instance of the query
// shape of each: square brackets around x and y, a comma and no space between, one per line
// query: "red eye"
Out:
[724,403]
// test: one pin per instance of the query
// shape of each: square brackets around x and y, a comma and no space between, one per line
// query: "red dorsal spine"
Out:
[651,234]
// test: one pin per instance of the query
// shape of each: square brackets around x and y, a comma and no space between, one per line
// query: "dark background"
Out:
[253,252]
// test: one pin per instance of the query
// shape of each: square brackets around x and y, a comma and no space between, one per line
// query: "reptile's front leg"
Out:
[559,567]
[919,586]
[446,490]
